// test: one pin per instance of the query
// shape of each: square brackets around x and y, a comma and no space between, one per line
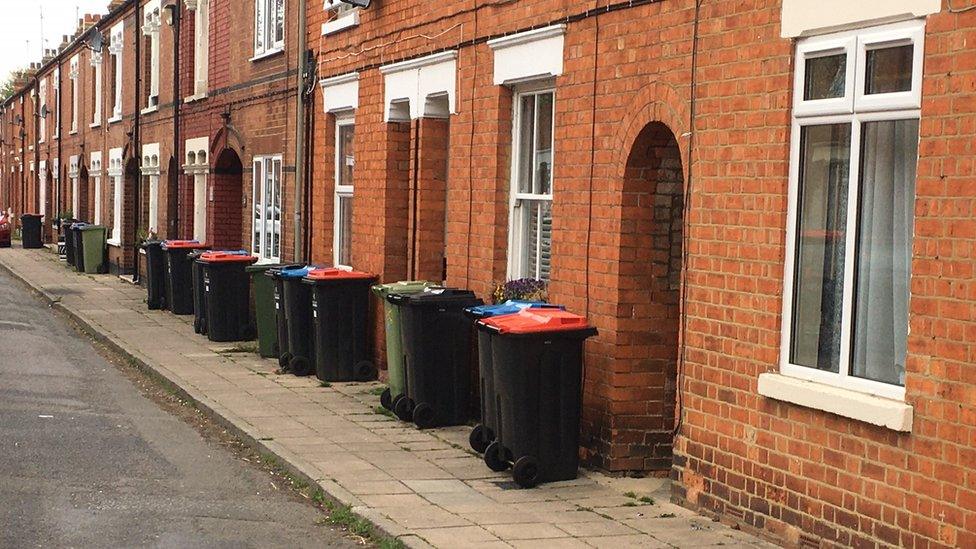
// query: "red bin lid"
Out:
[184,244]
[531,321]
[224,257]
[332,273]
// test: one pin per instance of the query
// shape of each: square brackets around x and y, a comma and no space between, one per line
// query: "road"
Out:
[87,460]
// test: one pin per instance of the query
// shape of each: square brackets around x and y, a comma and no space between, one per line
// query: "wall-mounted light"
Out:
[358,3]
[95,41]
[171,13]
[44,112]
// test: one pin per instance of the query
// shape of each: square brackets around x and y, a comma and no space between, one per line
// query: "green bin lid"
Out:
[401,287]
[94,228]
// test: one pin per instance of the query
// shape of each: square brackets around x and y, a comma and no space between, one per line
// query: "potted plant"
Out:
[524,289]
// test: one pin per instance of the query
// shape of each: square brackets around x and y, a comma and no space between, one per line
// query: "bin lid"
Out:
[276,272]
[511,306]
[228,256]
[401,287]
[536,321]
[300,272]
[149,243]
[78,225]
[31,215]
[330,274]
[432,295]
[183,244]
[88,227]
[268,267]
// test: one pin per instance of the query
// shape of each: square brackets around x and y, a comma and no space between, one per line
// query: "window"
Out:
[198,166]
[57,103]
[341,16]
[96,88]
[852,196]
[150,32]
[115,50]
[73,174]
[150,170]
[73,75]
[269,26]
[201,46]
[530,233]
[115,177]
[43,109]
[266,221]
[345,162]
[95,171]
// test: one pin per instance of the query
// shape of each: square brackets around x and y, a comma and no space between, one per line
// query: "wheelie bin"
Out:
[340,317]
[264,307]
[155,274]
[200,325]
[30,230]
[436,340]
[77,249]
[281,320]
[179,276]
[537,358]
[394,352]
[65,231]
[228,293]
[93,248]
[297,303]
[484,433]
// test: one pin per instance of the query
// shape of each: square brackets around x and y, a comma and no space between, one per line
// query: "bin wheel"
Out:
[403,408]
[284,360]
[494,457]
[478,439]
[526,471]
[424,416]
[300,366]
[386,399]
[364,371]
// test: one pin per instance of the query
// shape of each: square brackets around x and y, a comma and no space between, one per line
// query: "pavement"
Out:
[426,488]
[87,461]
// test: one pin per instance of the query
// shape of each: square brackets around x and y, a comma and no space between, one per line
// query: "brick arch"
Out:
[655,102]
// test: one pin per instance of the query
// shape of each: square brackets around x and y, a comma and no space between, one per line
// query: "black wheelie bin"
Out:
[30,230]
[340,321]
[200,325]
[281,320]
[297,304]
[537,357]
[437,345]
[484,433]
[155,274]
[77,247]
[179,275]
[227,289]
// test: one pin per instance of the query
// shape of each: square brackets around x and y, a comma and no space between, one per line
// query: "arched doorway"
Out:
[225,225]
[85,208]
[172,229]
[650,267]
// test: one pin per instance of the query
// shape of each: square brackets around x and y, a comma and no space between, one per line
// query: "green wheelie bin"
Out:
[264,307]
[394,353]
[93,248]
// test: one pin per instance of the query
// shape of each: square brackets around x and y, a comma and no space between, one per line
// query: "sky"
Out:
[21,22]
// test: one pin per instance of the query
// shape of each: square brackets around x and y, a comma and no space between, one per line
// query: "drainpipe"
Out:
[58,128]
[136,144]
[300,128]
[177,107]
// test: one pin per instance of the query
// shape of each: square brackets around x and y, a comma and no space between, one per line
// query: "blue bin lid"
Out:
[510,307]
[299,272]
[79,225]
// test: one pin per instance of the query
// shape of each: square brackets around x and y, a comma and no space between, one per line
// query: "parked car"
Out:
[4,230]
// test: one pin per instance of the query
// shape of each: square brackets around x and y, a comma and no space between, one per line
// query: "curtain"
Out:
[885,225]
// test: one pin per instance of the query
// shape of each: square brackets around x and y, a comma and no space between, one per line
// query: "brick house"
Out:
[765,207]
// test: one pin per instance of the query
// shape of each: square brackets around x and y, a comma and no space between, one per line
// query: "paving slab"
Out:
[424,487]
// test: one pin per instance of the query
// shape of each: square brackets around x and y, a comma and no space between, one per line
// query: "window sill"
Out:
[73,132]
[195,97]
[875,410]
[267,54]
[114,119]
[114,243]
[149,110]
[95,125]
[345,21]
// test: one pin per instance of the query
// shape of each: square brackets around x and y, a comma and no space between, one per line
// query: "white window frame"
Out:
[197,166]
[73,175]
[150,170]
[74,75]
[96,63]
[115,49]
[342,119]
[42,194]
[57,103]
[265,188]
[150,29]
[852,109]
[115,174]
[265,41]
[43,104]
[95,172]
[201,47]
[516,221]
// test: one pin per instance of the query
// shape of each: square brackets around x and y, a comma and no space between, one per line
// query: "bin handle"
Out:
[492,328]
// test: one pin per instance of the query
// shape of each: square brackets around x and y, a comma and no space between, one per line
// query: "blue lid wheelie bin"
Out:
[538,366]
[436,340]
[281,320]
[484,433]
[297,304]
[179,275]
[340,317]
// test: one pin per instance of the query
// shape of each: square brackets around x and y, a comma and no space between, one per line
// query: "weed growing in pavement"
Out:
[376,391]
[383,411]
[240,348]
[630,495]
[666,515]
[325,384]
[647,500]
[630,504]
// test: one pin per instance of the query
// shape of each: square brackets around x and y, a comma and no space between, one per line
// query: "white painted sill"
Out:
[149,110]
[115,243]
[95,125]
[195,97]
[267,54]
[114,119]
[875,410]
[348,20]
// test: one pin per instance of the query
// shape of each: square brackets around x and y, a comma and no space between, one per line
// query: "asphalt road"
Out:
[87,461]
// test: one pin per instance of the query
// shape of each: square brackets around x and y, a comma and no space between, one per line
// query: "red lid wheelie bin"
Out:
[340,322]
[538,363]
[227,290]
[179,276]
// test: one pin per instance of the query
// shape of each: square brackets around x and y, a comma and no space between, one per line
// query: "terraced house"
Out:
[766,207]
